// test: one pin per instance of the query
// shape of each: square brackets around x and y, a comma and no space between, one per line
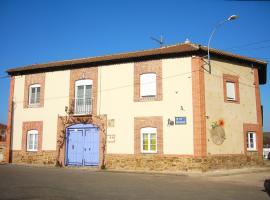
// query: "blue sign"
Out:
[180,120]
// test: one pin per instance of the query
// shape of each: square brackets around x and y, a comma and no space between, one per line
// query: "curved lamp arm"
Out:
[232,17]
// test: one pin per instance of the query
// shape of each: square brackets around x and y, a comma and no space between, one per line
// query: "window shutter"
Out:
[230,87]
[148,85]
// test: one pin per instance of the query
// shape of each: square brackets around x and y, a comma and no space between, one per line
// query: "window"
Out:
[148,86]
[2,136]
[83,94]
[230,89]
[32,140]
[148,140]
[34,94]
[251,141]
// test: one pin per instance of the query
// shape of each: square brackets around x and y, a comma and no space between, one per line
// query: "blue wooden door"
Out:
[79,152]
[74,147]
[82,145]
[91,144]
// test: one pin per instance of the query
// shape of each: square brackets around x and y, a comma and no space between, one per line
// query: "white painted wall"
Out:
[234,115]
[117,90]
[56,98]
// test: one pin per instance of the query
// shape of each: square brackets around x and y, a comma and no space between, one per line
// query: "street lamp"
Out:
[232,17]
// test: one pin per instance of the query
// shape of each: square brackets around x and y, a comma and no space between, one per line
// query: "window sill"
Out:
[34,105]
[32,151]
[231,101]
[82,114]
[148,99]
[143,152]
[252,150]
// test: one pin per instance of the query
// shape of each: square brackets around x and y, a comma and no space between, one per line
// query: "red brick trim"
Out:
[30,80]
[141,122]
[32,125]
[198,96]
[152,66]
[10,119]
[235,80]
[80,74]
[259,112]
[254,128]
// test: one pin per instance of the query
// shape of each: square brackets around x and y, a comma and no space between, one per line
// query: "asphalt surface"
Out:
[30,183]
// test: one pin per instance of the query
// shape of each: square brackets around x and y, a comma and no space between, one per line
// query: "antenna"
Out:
[160,41]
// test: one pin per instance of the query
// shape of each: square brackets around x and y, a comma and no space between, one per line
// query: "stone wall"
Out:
[180,163]
[40,158]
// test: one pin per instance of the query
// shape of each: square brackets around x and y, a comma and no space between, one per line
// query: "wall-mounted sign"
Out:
[180,120]
[111,122]
[111,138]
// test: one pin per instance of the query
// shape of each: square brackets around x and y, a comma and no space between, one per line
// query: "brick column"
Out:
[259,133]
[198,97]
[10,119]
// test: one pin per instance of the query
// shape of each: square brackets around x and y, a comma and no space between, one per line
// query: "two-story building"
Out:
[158,109]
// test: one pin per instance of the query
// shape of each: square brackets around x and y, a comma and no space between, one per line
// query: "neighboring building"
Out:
[156,109]
[3,130]
[266,139]
[266,145]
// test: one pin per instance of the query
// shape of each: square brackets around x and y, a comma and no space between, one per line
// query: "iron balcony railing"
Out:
[82,106]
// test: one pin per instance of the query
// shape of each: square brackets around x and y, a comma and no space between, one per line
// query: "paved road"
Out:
[21,182]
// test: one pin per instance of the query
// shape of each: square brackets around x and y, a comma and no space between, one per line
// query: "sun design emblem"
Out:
[217,132]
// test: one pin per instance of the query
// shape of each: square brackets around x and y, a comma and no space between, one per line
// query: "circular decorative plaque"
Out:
[217,135]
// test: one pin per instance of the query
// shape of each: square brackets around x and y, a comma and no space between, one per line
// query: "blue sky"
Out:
[42,31]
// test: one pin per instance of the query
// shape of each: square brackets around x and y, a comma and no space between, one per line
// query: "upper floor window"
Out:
[148,85]
[32,140]
[231,88]
[2,136]
[34,94]
[251,141]
[148,140]
[83,97]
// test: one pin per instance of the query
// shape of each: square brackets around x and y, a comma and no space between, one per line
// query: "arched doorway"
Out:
[82,145]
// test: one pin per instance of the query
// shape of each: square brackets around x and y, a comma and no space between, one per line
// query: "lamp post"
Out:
[232,17]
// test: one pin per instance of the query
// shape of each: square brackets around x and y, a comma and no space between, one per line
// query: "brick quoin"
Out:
[198,97]
[10,119]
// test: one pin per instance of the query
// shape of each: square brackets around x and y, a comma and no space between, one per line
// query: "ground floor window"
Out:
[32,140]
[148,140]
[251,141]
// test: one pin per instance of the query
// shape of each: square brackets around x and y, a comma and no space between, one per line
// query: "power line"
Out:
[247,45]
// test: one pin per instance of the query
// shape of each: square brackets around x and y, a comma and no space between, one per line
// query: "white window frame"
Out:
[148,88]
[233,97]
[30,94]
[249,148]
[35,140]
[148,131]
[84,83]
